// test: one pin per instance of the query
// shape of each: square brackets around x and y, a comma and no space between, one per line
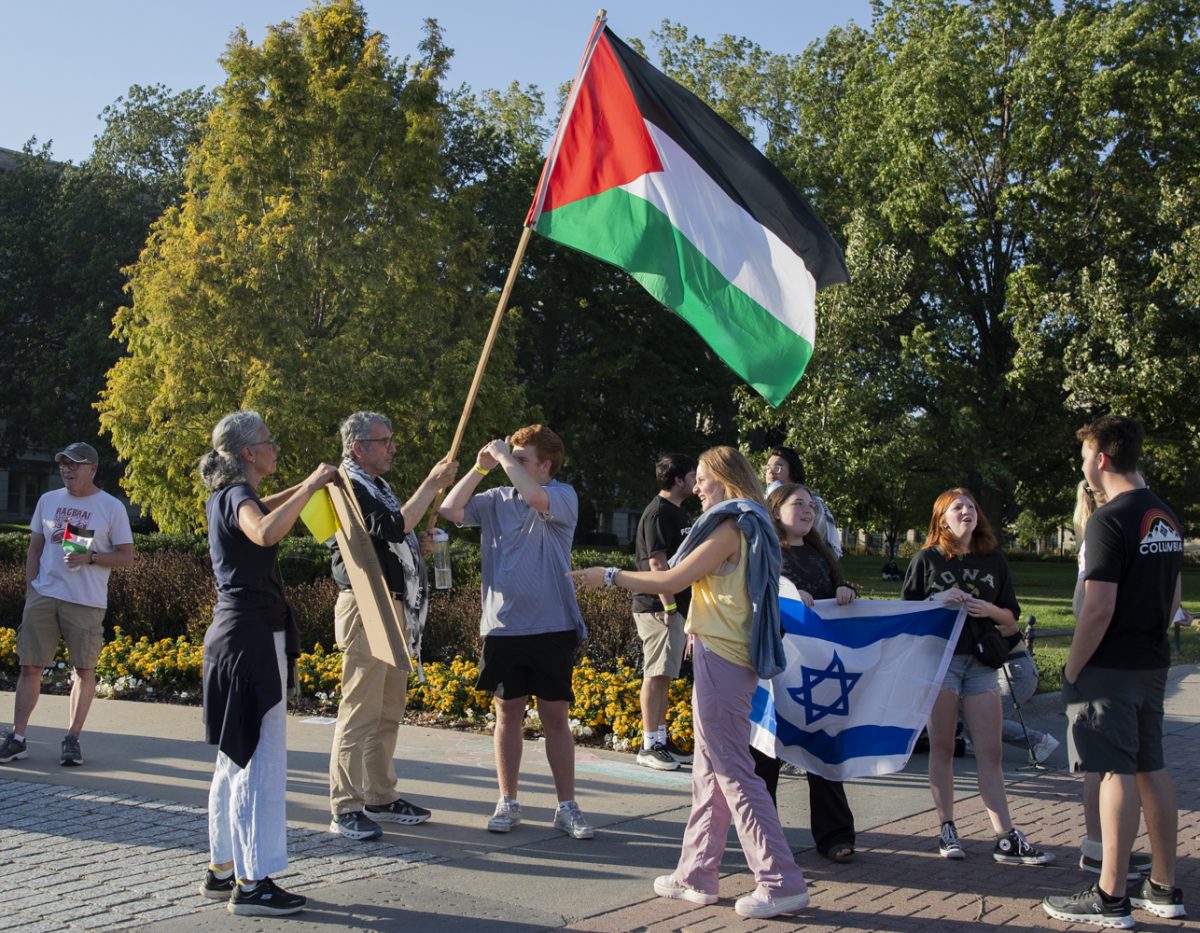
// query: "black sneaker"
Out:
[12,749]
[657,757]
[948,844]
[1162,902]
[1139,865]
[1013,848]
[684,758]
[72,755]
[218,889]
[265,899]
[400,811]
[355,825]
[1087,906]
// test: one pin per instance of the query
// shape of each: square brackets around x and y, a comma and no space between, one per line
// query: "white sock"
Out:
[565,804]
[1091,848]
[508,800]
[18,736]
[660,735]
[648,740]
[220,874]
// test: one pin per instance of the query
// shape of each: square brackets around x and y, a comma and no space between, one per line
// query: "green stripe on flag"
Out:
[636,236]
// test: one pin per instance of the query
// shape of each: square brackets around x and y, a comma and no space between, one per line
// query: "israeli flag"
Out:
[859,683]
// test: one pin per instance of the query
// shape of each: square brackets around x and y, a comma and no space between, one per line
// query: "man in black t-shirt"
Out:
[1115,677]
[659,617]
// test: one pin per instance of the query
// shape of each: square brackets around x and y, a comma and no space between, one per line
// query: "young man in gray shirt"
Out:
[530,623]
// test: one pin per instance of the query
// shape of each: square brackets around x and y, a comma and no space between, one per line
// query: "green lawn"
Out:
[1044,590]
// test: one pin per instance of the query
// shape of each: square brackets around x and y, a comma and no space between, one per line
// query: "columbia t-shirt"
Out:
[1135,541]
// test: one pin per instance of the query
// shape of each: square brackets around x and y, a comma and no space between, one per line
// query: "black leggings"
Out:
[829,810]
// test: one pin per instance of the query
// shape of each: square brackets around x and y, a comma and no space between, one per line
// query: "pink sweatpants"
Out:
[725,788]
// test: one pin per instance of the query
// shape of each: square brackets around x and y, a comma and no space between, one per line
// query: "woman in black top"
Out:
[811,566]
[961,564]
[245,669]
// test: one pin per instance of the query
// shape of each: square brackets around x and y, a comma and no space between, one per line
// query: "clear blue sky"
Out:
[64,60]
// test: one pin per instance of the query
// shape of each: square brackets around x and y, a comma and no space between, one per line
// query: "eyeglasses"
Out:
[377,440]
[71,465]
[270,440]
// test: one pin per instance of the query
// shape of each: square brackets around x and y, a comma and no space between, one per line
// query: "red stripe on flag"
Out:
[605,144]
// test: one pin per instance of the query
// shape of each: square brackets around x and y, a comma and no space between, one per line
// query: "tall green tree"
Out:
[318,263]
[1022,157]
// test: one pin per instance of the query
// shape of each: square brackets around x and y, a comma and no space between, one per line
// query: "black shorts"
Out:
[1115,720]
[528,665]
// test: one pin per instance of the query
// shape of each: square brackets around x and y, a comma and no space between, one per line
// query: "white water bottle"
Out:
[441,559]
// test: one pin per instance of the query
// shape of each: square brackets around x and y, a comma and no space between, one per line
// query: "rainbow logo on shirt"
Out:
[1159,534]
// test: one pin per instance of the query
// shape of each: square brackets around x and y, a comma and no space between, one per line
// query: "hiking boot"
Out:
[948,844]
[1015,849]
[71,753]
[761,906]
[658,758]
[1044,748]
[12,749]
[265,899]
[670,886]
[355,825]
[218,889]
[1087,906]
[507,815]
[1160,901]
[570,820]
[1139,865]
[684,758]
[400,811]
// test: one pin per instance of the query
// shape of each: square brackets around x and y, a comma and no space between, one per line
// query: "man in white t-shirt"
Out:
[79,534]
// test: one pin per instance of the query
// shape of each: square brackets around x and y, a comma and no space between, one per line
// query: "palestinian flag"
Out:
[644,175]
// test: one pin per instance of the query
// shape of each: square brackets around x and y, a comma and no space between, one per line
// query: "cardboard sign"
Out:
[382,618]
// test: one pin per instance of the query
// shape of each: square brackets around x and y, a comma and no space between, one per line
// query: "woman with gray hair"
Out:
[245,665]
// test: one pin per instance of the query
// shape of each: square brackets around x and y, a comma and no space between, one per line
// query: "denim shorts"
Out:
[968,677]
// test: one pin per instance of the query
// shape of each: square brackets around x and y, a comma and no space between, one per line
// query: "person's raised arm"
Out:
[533,492]
[453,507]
[722,545]
[441,476]
[269,529]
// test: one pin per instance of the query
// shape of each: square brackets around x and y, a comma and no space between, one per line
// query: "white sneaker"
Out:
[570,820]
[507,816]
[670,886]
[1045,748]
[761,907]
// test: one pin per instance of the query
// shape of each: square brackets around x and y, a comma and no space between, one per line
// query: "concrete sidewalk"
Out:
[121,842]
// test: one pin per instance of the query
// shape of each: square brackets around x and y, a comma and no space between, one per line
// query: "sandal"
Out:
[842,852]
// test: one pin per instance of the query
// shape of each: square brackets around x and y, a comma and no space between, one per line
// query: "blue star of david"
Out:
[812,678]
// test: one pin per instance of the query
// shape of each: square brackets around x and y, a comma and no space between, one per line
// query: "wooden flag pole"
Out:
[501,307]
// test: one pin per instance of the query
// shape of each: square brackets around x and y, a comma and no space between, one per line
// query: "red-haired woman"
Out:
[960,563]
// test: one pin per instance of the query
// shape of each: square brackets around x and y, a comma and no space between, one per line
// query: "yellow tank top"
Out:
[721,614]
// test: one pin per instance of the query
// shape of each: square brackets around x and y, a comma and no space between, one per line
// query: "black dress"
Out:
[829,811]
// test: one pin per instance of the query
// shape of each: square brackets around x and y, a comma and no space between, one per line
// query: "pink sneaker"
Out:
[761,906]
[670,886]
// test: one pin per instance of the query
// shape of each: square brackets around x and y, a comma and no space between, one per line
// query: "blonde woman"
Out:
[731,560]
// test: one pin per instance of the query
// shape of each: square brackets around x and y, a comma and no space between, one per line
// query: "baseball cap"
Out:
[78,453]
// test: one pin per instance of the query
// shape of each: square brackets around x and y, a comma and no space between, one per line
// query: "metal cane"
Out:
[1034,764]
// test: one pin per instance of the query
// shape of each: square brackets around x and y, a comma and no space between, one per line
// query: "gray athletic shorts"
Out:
[1115,720]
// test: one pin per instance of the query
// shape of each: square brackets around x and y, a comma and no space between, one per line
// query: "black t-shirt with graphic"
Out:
[662,527]
[1135,541]
[809,571]
[985,576]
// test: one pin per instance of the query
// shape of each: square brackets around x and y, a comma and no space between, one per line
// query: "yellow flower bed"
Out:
[606,702]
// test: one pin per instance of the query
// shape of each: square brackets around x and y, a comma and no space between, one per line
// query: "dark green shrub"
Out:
[13,546]
[163,595]
[156,542]
[312,604]
[12,593]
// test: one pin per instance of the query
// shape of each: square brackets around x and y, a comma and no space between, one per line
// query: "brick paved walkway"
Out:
[86,872]
[899,883]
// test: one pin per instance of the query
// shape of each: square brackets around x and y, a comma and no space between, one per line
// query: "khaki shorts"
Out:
[46,619]
[662,645]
